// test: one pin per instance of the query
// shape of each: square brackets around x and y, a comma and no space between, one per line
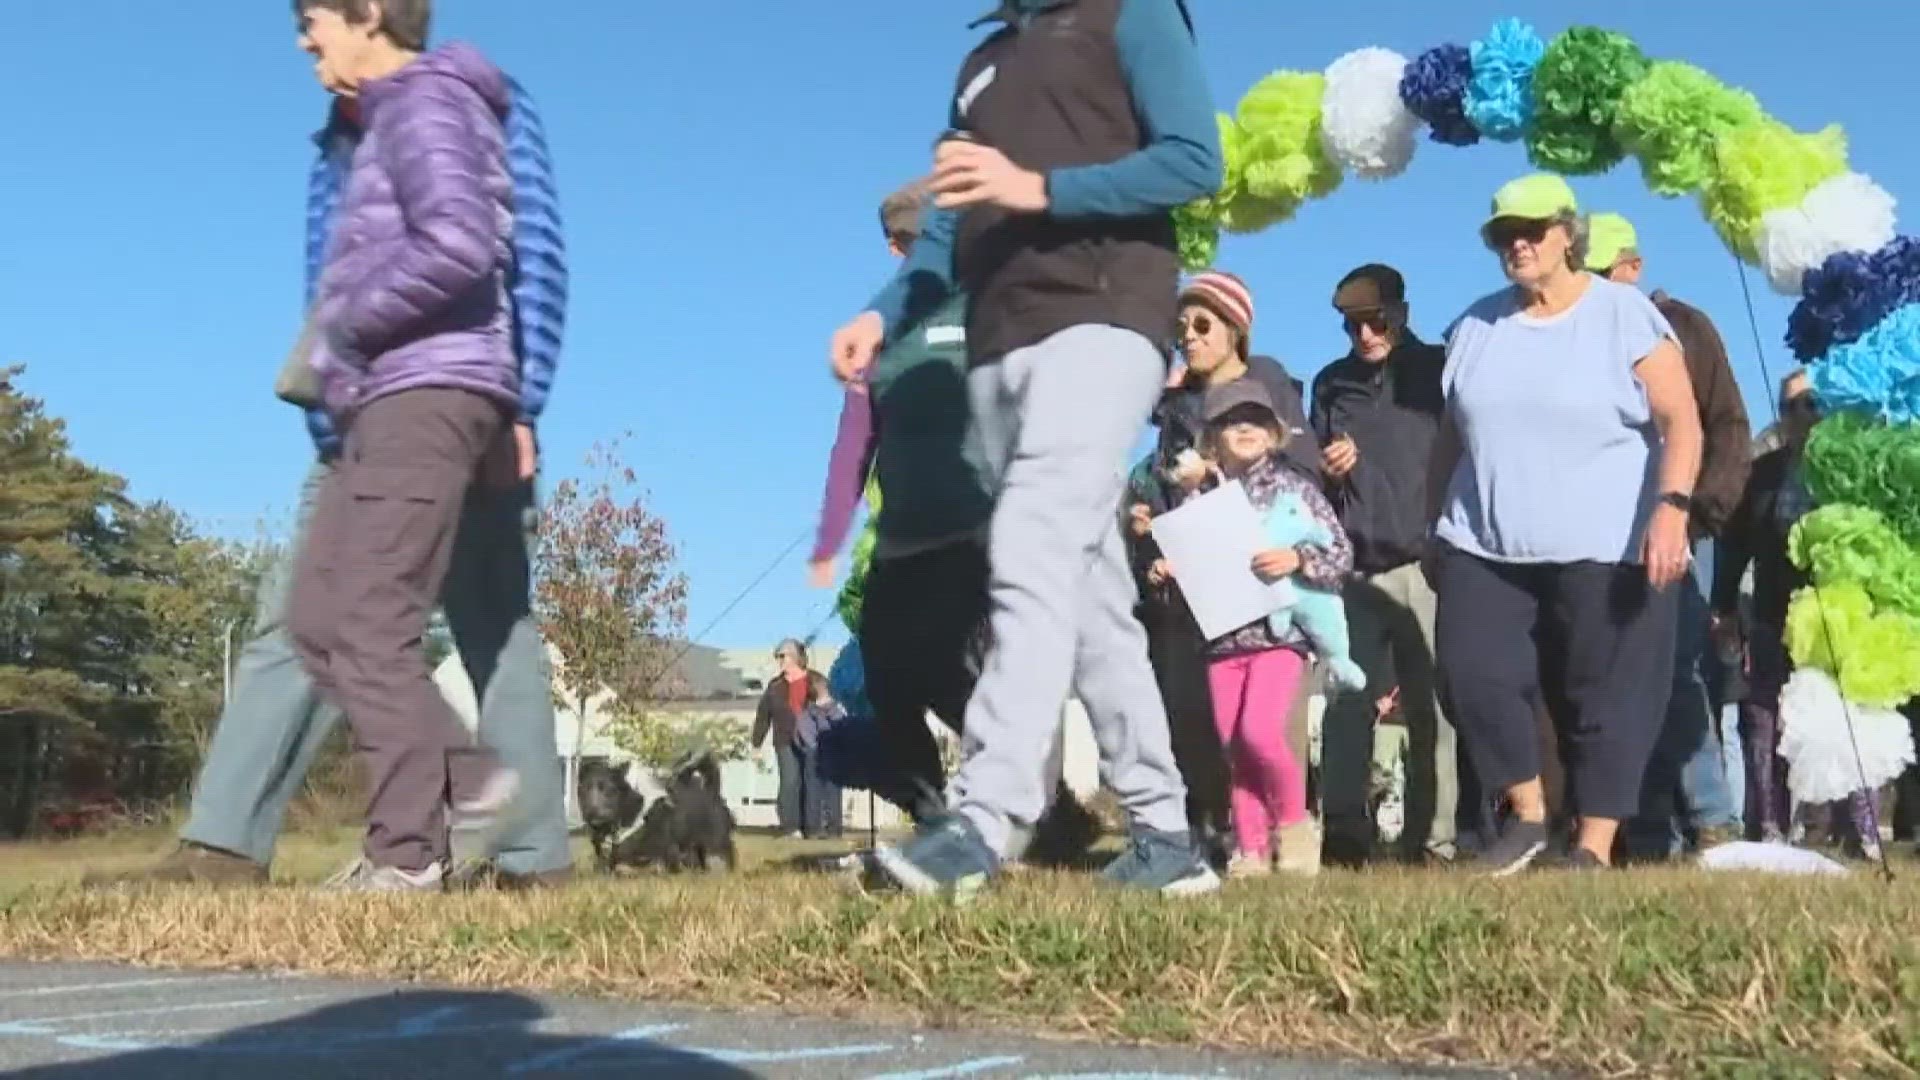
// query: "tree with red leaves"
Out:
[608,596]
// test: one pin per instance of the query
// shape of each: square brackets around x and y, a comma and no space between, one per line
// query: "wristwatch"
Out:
[1677,500]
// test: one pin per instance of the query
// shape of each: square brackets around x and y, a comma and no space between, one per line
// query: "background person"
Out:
[413,348]
[1564,472]
[1686,798]
[778,717]
[275,725]
[1376,412]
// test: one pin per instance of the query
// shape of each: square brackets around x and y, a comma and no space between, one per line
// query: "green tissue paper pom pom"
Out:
[1855,460]
[1577,93]
[1196,228]
[1283,161]
[1670,119]
[853,594]
[1766,166]
[1854,545]
[1870,654]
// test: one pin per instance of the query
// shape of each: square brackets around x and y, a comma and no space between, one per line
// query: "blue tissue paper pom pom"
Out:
[1435,88]
[1500,96]
[1878,374]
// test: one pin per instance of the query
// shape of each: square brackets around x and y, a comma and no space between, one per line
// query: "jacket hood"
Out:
[454,60]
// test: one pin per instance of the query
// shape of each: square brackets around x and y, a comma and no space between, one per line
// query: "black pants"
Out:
[1177,651]
[922,631]
[1608,639]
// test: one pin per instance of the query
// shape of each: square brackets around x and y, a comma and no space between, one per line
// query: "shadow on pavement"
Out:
[425,1034]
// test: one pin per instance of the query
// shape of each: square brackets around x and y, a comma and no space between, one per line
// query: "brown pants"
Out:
[364,586]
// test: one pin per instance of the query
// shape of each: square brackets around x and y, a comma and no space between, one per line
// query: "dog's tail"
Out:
[702,766]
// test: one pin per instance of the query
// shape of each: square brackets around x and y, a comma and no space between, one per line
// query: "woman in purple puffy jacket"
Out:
[414,352]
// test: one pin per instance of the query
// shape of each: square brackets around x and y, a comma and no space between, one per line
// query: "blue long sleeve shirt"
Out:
[539,286]
[1179,161]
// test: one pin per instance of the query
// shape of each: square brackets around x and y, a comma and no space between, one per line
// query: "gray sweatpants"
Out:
[1056,423]
[276,723]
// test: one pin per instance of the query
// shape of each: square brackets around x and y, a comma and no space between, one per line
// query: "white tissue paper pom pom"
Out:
[1847,213]
[1364,125]
[1818,749]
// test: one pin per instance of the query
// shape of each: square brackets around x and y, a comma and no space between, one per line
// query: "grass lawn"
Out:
[1635,973]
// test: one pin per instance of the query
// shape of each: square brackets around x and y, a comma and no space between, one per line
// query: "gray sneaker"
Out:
[945,858]
[482,819]
[1166,863]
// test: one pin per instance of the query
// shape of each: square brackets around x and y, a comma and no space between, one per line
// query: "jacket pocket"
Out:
[397,511]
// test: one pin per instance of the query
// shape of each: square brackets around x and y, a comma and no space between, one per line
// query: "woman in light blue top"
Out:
[1563,476]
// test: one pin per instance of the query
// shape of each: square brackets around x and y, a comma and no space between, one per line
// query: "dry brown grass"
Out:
[1675,973]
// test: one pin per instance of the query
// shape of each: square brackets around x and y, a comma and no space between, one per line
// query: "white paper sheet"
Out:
[1210,542]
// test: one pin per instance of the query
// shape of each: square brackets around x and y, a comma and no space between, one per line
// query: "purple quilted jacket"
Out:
[414,293]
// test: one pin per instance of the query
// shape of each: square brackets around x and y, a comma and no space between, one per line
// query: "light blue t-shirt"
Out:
[1560,453]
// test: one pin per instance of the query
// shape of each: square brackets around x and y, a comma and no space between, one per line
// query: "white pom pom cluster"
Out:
[1819,749]
[1847,213]
[1364,125]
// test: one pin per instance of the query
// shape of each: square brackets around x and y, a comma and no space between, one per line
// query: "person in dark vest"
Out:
[1376,411]
[1078,126]
[1686,798]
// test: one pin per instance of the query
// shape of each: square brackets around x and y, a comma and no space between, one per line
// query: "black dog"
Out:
[610,807]
[689,828]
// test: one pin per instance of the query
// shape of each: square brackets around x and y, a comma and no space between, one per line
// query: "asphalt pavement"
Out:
[118,1023]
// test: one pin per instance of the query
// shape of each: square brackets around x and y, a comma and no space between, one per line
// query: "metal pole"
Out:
[226,662]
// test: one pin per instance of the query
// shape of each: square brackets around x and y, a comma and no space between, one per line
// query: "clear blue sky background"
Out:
[720,165]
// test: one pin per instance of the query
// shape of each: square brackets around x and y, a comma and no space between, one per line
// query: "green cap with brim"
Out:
[1540,197]
[1609,236]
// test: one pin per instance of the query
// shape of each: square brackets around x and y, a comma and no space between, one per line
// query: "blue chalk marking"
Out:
[965,1068]
[40,1024]
[568,1055]
[118,1044]
[426,1023]
[124,984]
[1127,1076]
[798,1053]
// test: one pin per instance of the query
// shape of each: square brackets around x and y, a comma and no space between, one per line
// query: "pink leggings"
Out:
[1252,698]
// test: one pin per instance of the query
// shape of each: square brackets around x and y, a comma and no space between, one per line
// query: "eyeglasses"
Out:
[1799,405]
[1501,234]
[1198,325]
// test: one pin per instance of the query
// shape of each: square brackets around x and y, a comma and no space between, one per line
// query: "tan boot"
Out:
[1299,848]
[190,864]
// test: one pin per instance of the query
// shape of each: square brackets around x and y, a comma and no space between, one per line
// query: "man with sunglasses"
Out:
[1376,412]
[1686,795]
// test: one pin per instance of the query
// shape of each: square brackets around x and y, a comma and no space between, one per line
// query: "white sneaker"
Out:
[1247,864]
[348,874]
[370,878]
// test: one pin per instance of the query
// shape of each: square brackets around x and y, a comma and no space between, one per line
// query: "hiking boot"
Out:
[947,858]
[1165,863]
[366,877]
[1249,864]
[188,864]
[1299,848]
[1519,844]
[485,816]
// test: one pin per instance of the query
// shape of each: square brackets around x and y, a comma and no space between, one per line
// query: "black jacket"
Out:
[1392,412]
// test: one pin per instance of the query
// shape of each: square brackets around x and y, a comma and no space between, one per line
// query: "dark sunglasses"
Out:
[1800,405]
[1501,234]
[1201,325]
[1376,322]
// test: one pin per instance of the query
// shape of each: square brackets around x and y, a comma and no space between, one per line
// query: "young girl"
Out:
[1255,673]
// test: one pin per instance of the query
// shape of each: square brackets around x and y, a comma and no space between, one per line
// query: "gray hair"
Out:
[1579,237]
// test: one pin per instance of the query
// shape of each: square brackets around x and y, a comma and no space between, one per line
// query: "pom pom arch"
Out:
[1783,201]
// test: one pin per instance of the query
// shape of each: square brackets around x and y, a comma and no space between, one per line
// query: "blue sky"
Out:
[720,165]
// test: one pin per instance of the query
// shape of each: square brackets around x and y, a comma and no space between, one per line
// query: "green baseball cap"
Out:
[1609,236]
[1539,197]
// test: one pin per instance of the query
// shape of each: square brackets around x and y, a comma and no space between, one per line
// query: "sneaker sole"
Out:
[1516,865]
[1193,885]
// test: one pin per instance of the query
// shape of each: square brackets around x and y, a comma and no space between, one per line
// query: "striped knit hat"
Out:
[1226,294]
